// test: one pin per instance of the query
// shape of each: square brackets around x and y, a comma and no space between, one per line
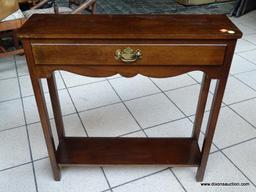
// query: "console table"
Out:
[151,45]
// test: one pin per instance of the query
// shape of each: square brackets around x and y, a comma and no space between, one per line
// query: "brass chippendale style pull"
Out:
[128,55]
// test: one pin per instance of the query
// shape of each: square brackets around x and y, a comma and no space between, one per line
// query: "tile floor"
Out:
[141,107]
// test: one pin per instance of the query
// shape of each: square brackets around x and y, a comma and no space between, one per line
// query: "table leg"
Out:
[205,85]
[212,121]
[56,106]
[94,7]
[44,117]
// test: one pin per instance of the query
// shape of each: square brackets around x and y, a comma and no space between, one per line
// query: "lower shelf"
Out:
[171,151]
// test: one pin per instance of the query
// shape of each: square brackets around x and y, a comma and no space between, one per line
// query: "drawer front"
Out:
[151,54]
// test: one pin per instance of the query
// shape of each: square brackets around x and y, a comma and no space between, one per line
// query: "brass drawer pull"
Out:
[128,55]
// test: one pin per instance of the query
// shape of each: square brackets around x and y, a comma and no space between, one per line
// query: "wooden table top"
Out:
[129,27]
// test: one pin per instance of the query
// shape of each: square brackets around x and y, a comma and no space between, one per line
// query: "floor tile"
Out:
[249,78]
[19,179]
[14,148]
[74,179]
[179,128]
[243,45]
[72,126]
[138,86]
[250,55]
[7,111]
[219,170]
[21,63]
[93,95]
[26,85]
[197,75]
[109,121]
[245,29]
[236,91]
[160,182]
[9,89]
[7,67]
[251,38]
[166,84]
[135,134]
[240,64]
[248,20]
[244,156]
[153,110]
[72,79]
[186,99]
[118,175]
[230,129]
[247,110]
[31,111]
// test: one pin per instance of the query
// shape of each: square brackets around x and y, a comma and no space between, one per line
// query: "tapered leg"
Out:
[206,81]
[44,117]
[212,121]
[56,106]
[94,8]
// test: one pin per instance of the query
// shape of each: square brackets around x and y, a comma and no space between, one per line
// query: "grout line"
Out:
[237,102]
[26,126]
[249,40]
[151,127]
[102,106]
[15,166]
[239,73]
[253,49]
[148,95]
[20,126]
[246,59]
[27,74]
[106,190]
[241,117]
[127,134]
[74,106]
[243,83]
[105,176]
[46,92]
[8,78]
[238,168]
[139,178]
[169,98]
[181,87]
[177,179]
[9,100]
[224,148]
[159,124]
[127,108]
[19,165]
[41,158]
[198,82]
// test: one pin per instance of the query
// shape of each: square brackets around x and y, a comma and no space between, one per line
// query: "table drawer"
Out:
[150,54]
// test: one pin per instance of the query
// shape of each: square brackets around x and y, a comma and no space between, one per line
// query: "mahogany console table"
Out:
[154,46]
